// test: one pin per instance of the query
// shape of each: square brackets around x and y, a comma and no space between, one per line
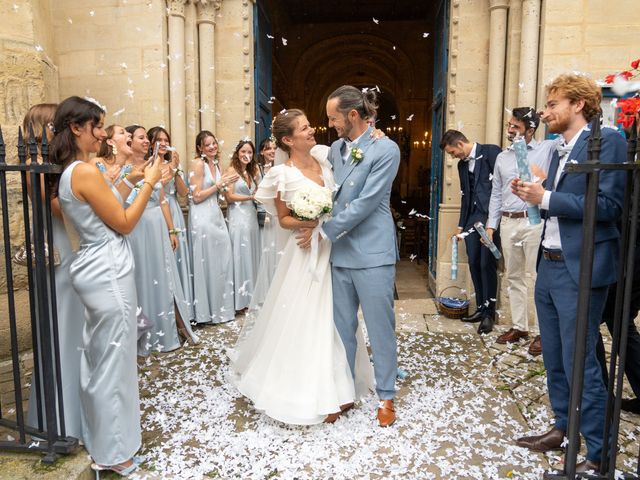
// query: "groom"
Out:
[362,233]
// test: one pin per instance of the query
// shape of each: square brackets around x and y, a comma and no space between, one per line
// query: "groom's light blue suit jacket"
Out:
[362,230]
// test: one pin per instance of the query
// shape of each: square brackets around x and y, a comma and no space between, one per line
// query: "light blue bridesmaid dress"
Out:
[271,243]
[245,243]
[183,253]
[103,276]
[70,312]
[212,261]
[157,279]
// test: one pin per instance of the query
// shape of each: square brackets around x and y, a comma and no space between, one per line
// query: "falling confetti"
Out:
[425,35]
[410,117]
[284,41]
[376,21]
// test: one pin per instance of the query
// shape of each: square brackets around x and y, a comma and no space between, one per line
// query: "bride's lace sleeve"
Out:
[280,179]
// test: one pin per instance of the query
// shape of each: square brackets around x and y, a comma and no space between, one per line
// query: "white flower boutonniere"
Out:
[357,155]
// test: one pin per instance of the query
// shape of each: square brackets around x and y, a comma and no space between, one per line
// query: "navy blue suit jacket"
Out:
[567,203]
[483,171]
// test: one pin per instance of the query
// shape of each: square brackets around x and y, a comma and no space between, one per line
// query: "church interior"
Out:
[306,50]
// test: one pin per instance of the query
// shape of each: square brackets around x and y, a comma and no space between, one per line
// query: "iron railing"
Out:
[49,434]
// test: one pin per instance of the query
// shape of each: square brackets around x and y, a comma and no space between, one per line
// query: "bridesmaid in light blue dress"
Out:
[174,184]
[272,237]
[153,241]
[243,223]
[211,246]
[103,276]
[69,308]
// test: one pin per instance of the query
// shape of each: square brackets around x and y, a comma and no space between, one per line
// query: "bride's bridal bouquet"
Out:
[310,203]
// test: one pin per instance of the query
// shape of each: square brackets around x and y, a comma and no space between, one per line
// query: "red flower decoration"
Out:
[635,64]
[629,107]
[626,74]
[609,78]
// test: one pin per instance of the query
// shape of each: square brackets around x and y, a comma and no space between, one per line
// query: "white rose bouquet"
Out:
[310,203]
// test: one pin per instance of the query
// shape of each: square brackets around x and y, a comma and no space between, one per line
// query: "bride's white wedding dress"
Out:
[289,359]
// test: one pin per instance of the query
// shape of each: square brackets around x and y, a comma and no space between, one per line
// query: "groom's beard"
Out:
[348,128]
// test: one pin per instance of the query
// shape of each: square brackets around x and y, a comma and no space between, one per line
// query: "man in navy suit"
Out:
[475,167]
[573,100]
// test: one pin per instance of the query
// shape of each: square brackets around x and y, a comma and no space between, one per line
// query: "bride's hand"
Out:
[309,224]
[377,133]
[303,237]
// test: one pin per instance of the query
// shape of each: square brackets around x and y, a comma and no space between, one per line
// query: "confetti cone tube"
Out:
[454,259]
[483,233]
[520,147]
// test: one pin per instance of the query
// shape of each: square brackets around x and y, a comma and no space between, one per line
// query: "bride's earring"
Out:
[114,149]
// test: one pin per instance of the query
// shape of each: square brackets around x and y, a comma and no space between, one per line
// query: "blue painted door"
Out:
[262,74]
[441,56]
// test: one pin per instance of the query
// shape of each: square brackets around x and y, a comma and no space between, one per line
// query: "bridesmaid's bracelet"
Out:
[174,231]
[148,183]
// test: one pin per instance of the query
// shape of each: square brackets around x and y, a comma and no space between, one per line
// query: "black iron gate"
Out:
[48,435]
[629,222]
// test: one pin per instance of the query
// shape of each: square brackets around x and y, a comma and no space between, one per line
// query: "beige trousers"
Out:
[520,243]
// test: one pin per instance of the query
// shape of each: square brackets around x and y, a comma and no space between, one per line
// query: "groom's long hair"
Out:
[350,98]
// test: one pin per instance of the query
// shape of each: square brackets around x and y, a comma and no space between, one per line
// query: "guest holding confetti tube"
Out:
[475,168]
[520,240]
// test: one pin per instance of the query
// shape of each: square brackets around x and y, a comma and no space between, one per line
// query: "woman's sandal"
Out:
[184,336]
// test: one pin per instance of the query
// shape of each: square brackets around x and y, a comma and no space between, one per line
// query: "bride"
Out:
[289,359]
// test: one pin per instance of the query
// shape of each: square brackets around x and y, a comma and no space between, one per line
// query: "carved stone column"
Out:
[192,98]
[177,90]
[512,68]
[207,11]
[495,84]
[529,53]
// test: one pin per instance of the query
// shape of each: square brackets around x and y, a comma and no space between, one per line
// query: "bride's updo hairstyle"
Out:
[284,125]
[350,98]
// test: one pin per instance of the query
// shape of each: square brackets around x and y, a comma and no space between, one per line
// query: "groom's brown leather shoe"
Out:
[386,413]
[332,417]
[346,407]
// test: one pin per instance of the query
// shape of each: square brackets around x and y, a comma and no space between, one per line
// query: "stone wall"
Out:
[115,51]
[466,106]
[597,37]
[235,110]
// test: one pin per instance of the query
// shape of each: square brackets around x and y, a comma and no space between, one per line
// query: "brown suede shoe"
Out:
[535,348]
[552,440]
[386,413]
[346,407]
[587,465]
[332,417]
[511,336]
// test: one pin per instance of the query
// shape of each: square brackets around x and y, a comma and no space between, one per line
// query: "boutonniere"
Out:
[357,155]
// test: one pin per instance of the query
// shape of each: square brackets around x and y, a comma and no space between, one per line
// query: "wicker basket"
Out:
[452,307]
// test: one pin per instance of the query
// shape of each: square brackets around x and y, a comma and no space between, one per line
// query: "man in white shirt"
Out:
[520,240]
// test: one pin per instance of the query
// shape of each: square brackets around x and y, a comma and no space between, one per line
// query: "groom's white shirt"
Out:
[349,145]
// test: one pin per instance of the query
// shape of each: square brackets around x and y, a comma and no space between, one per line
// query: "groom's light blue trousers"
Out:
[372,288]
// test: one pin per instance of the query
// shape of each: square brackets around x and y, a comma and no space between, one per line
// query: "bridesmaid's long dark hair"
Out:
[152,135]
[64,149]
[252,166]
